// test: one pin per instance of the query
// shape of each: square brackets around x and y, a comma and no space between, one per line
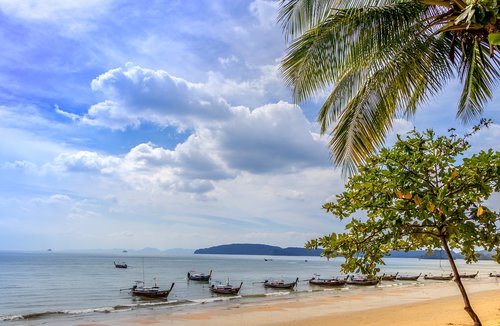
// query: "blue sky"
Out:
[131,124]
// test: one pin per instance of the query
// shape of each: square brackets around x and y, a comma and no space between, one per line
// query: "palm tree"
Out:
[380,59]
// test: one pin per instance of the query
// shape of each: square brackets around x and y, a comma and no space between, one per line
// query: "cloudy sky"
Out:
[131,124]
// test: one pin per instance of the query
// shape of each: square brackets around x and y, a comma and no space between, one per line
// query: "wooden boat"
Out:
[494,275]
[280,284]
[465,275]
[225,288]
[408,277]
[439,277]
[120,265]
[389,277]
[201,277]
[150,293]
[328,281]
[362,280]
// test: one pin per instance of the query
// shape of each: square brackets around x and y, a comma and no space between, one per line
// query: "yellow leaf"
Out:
[431,207]
[454,174]
[407,195]
[400,195]
[480,211]
[417,200]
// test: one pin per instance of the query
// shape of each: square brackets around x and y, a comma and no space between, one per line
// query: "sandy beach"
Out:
[439,304]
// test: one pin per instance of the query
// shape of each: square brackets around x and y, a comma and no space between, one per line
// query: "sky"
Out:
[166,124]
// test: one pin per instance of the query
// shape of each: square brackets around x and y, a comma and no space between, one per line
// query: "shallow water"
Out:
[45,288]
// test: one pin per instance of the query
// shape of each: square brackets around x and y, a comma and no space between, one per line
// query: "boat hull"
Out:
[363,282]
[439,278]
[151,293]
[225,289]
[280,285]
[199,277]
[327,282]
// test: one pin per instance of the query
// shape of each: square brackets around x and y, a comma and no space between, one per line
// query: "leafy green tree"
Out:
[380,59]
[419,194]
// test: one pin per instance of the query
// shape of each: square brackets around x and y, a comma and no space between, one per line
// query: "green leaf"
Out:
[494,38]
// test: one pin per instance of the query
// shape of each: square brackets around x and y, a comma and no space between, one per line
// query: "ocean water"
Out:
[47,288]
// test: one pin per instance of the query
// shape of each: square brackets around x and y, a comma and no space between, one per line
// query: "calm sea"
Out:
[47,288]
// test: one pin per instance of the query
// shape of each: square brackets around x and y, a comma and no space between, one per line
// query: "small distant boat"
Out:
[150,293]
[268,259]
[328,281]
[363,280]
[225,288]
[389,277]
[439,277]
[465,275]
[280,284]
[494,275]
[408,277]
[200,277]
[120,265]
[124,251]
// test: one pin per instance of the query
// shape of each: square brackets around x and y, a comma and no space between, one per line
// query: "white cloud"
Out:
[275,138]
[85,161]
[266,12]
[72,16]
[137,94]
[225,141]
[265,87]
[227,60]
[489,136]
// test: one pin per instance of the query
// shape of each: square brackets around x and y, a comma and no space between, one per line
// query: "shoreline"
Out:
[423,305]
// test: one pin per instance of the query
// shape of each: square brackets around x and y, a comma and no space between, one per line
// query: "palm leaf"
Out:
[478,73]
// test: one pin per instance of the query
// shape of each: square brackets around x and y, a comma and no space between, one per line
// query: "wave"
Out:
[114,309]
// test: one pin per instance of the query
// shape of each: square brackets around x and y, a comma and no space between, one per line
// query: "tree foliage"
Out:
[381,59]
[419,193]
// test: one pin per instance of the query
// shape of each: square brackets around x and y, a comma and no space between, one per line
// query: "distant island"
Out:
[258,249]
[267,250]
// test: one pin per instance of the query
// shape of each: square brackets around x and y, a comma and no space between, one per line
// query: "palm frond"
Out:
[407,78]
[380,59]
[317,59]
[479,73]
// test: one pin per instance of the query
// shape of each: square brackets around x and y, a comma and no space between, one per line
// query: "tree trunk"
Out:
[467,307]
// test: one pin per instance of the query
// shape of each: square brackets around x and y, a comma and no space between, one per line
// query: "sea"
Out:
[55,288]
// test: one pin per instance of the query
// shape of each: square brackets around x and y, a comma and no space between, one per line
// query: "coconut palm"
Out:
[378,60]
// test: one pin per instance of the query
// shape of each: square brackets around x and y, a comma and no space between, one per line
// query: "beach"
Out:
[439,304]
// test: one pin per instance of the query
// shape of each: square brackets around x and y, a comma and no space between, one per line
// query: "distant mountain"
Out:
[262,249]
[258,249]
[486,255]
[148,250]
[422,254]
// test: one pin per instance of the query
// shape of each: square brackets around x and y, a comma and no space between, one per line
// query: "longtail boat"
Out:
[408,277]
[363,280]
[151,293]
[201,277]
[120,265]
[494,275]
[328,281]
[225,288]
[439,277]
[389,277]
[465,275]
[280,284]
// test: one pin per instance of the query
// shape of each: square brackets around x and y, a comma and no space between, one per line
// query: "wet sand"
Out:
[425,305]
